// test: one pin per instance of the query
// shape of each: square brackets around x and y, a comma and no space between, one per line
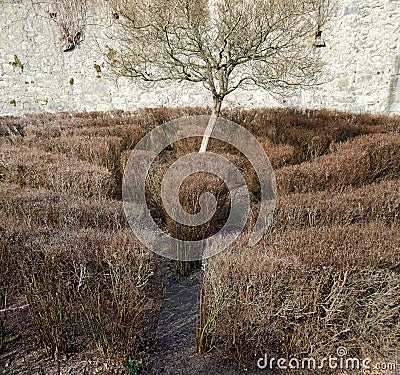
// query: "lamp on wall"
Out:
[319,42]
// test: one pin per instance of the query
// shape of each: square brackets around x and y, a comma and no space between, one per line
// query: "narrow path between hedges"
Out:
[175,352]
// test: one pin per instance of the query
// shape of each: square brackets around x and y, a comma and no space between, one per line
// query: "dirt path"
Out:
[175,352]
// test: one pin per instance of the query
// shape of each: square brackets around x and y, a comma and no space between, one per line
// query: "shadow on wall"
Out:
[394,88]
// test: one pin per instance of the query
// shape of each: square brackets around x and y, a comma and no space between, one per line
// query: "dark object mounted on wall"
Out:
[319,42]
[72,42]
[67,47]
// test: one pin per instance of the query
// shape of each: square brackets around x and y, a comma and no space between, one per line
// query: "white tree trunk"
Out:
[210,126]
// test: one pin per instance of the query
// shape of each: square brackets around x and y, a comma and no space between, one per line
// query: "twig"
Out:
[14,308]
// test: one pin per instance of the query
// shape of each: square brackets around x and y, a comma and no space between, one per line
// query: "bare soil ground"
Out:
[175,352]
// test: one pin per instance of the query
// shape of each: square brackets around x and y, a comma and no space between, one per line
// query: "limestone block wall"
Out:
[362,72]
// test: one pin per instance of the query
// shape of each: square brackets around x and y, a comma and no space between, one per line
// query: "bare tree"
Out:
[223,44]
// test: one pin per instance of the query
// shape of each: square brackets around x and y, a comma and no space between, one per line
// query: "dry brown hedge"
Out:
[273,122]
[278,155]
[192,144]
[363,160]
[305,293]
[378,201]
[311,132]
[47,208]
[149,118]
[192,188]
[129,134]
[38,169]
[95,150]
[301,292]
[276,122]
[85,287]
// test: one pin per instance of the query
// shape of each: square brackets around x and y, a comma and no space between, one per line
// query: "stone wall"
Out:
[362,71]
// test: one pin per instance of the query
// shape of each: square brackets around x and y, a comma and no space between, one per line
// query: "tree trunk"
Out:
[210,126]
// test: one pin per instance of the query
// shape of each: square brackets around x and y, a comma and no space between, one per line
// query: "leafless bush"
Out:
[120,303]
[38,169]
[6,260]
[192,188]
[378,201]
[277,123]
[130,131]
[192,144]
[278,155]
[46,208]
[11,289]
[304,293]
[125,155]
[357,162]
[312,133]
[149,118]
[94,150]
[91,285]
